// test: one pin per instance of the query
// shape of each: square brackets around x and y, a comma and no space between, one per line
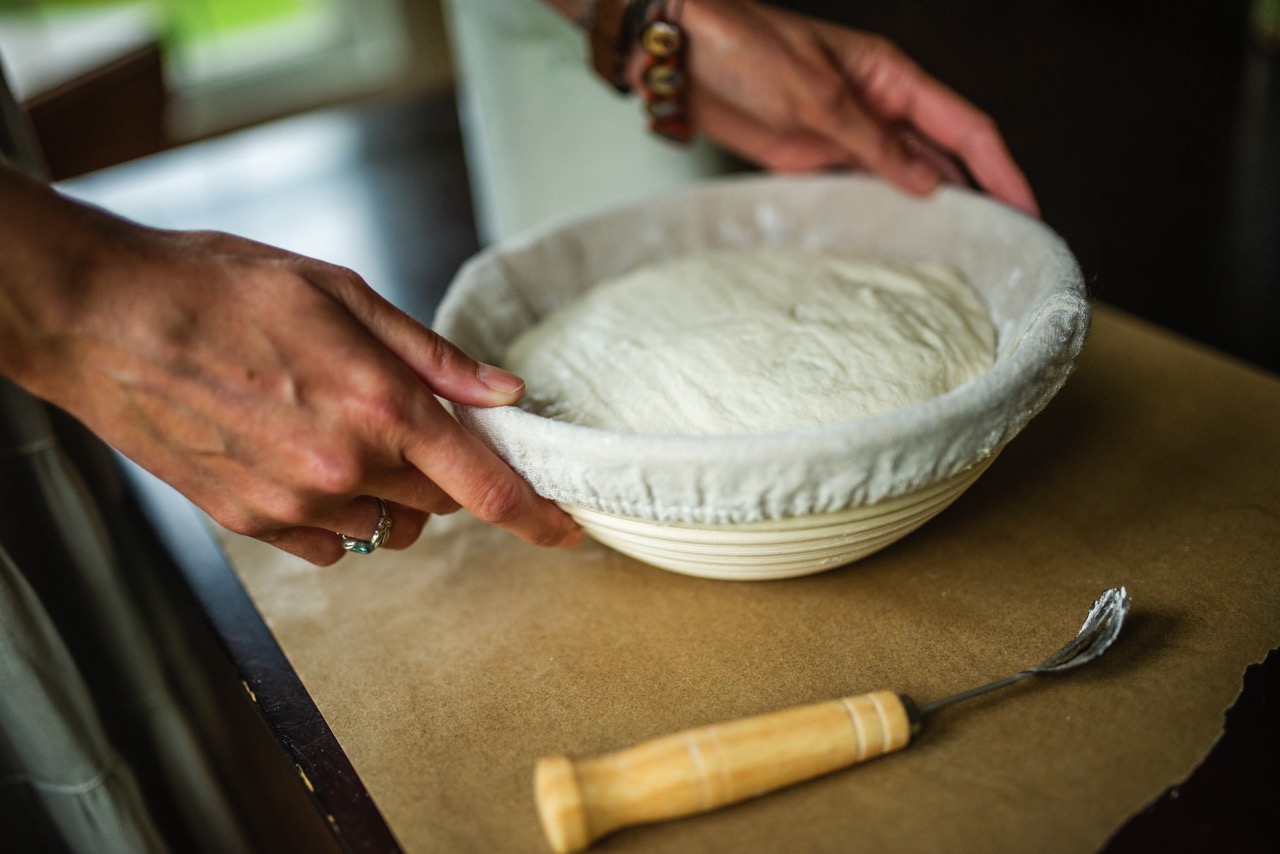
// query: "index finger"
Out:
[964,130]
[901,91]
[476,478]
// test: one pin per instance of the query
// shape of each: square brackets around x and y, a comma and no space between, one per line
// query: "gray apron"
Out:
[97,749]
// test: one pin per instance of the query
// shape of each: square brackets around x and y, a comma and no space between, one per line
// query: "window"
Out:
[233,62]
[230,63]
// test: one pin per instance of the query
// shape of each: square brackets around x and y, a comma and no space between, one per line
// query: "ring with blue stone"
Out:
[379,536]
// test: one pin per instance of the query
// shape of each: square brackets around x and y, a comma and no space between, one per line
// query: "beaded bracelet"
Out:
[614,27]
[665,78]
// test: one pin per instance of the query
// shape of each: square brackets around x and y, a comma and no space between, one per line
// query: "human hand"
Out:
[278,393]
[794,93]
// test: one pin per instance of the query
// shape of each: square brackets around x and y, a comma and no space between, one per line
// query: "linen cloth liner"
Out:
[1026,274]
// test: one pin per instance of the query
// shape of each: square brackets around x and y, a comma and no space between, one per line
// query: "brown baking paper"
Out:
[447,670]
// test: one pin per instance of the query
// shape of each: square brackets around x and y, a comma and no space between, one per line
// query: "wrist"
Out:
[51,246]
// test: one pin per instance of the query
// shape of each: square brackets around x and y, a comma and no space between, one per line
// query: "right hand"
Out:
[794,93]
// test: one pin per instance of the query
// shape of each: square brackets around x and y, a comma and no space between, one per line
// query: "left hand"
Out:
[276,392]
[795,93]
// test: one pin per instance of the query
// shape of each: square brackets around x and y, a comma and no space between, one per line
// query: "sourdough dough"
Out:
[748,341]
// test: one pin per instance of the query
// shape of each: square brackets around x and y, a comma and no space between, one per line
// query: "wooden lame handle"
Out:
[580,800]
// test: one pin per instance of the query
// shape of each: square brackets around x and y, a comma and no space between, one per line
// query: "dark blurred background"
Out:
[1150,131]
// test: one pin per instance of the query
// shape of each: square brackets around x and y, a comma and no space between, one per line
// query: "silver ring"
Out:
[380,532]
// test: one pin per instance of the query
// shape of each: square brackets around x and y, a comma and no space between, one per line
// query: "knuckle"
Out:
[824,92]
[214,239]
[878,50]
[292,510]
[345,280]
[245,524]
[499,499]
[377,399]
[273,510]
[347,274]
[443,354]
[329,472]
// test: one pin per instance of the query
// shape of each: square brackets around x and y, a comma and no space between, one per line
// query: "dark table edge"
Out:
[326,773]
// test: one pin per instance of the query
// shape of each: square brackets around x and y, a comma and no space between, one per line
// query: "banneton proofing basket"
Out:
[795,502]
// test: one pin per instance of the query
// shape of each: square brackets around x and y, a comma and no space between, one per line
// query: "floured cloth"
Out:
[447,670]
[1028,278]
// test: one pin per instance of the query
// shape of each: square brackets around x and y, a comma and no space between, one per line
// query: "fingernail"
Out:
[499,380]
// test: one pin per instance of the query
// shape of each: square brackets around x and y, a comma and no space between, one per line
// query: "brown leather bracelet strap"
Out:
[606,33]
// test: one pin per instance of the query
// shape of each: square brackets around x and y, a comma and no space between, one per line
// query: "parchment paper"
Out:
[447,670]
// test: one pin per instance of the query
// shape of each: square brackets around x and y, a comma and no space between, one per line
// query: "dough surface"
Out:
[751,341]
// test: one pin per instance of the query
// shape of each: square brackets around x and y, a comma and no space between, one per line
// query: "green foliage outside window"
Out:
[185,22]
